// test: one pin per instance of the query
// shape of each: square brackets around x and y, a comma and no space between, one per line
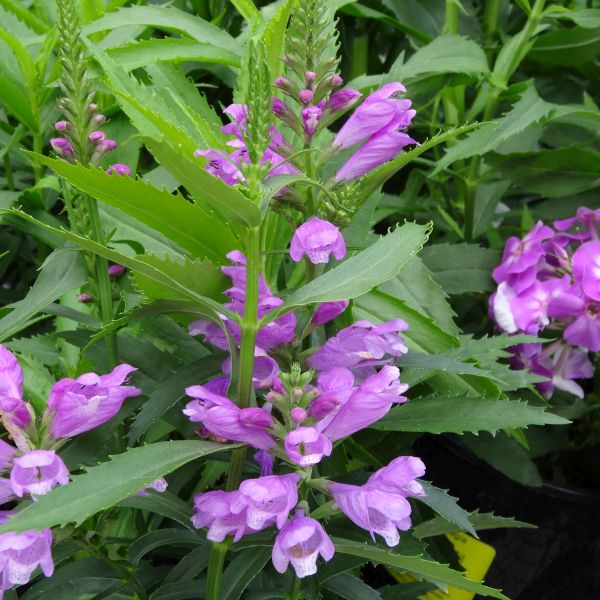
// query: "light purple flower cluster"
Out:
[98,144]
[298,420]
[550,280]
[74,407]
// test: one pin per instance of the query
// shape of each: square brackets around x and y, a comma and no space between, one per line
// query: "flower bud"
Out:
[96,136]
[116,270]
[98,119]
[298,414]
[310,77]
[61,125]
[84,298]
[62,146]
[93,106]
[287,86]
[305,96]
[118,169]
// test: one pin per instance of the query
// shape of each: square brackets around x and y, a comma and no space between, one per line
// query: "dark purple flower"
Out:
[37,472]
[12,406]
[118,169]
[267,500]
[213,333]
[222,417]
[300,542]
[116,270]
[306,446]
[22,553]
[317,239]
[78,405]
[360,343]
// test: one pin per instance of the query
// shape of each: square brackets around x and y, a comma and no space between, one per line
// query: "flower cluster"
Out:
[350,386]
[550,281]
[32,466]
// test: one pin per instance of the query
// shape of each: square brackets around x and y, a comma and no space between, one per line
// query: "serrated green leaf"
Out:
[418,566]
[447,507]
[363,271]
[186,224]
[459,414]
[104,486]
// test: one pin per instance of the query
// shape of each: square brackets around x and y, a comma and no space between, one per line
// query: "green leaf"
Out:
[182,590]
[349,587]
[104,486]
[447,507]
[168,19]
[162,537]
[140,54]
[164,504]
[550,173]
[461,268]
[63,271]
[458,414]
[479,521]
[242,570]
[566,47]
[417,566]
[406,591]
[186,224]
[273,37]
[585,17]
[445,54]
[247,9]
[363,271]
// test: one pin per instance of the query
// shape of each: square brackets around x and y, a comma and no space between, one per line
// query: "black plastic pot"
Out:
[558,561]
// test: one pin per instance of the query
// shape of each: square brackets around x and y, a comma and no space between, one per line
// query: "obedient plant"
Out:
[549,282]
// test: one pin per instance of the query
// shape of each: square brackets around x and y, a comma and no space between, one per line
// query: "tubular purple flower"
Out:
[317,239]
[22,553]
[265,461]
[369,403]
[118,169]
[213,334]
[327,311]
[220,167]
[265,369]
[311,115]
[213,510]
[12,407]
[62,146]
[399,477]
[267,500]
[380,148]
[223,418]
[586,268]
[310,77]
[37,472]
[306,446]
[341,100]
[300,542]
[334,387]
[78,405]
[585,219]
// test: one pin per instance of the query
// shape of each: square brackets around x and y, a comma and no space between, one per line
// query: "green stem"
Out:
[215,570]
[37,147]
[452,11]
[491,17]
[8,173]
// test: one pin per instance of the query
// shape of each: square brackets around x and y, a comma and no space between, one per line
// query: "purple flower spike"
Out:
[268,500]
[306,446]
[22,553]
[62,146]
[81,404]
[379,149]
[223,418]
[118,169]
[317,239]
[586,268]
[327,311]
[369,403]
[12,406]
[214,510]
[300,542]
[37,472]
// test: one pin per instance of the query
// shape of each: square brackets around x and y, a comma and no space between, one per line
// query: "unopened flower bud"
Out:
[342,99]
[335,81]
[62,146]
[108,145]
[83,297]
[287,86]
[305,96]
[98,119]
[96,136]
[118,169]
[61,125]
[310,77]
[93,106]
[298,414]
[116,270]
[311,115]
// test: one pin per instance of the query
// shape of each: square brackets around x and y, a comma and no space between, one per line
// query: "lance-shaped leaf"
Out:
[186,224]
[420,567]
[458,414]
[363,271]
[103,486]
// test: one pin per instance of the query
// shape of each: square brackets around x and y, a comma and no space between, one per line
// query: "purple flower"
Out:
[399,477]
[334,387]
[62,146]
[519,255]
[37,472]
[223,418]
[360,343]
[118,169]
[220,167]
[213,510]
[265,461]
[379,149]
[317,239]
[265,369]
[78,405]
[213,333]
[22,553]
[96,136]
[586,268]
[237,273]
[116,270]
[380,112]
[7,453]
[327,311]
[586,218]
[311,115]
[12,406]
[341,100]
[107,146]
[267,500]
[300,542]
[374,510]
[584,330]
[369,403]
[306,446]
